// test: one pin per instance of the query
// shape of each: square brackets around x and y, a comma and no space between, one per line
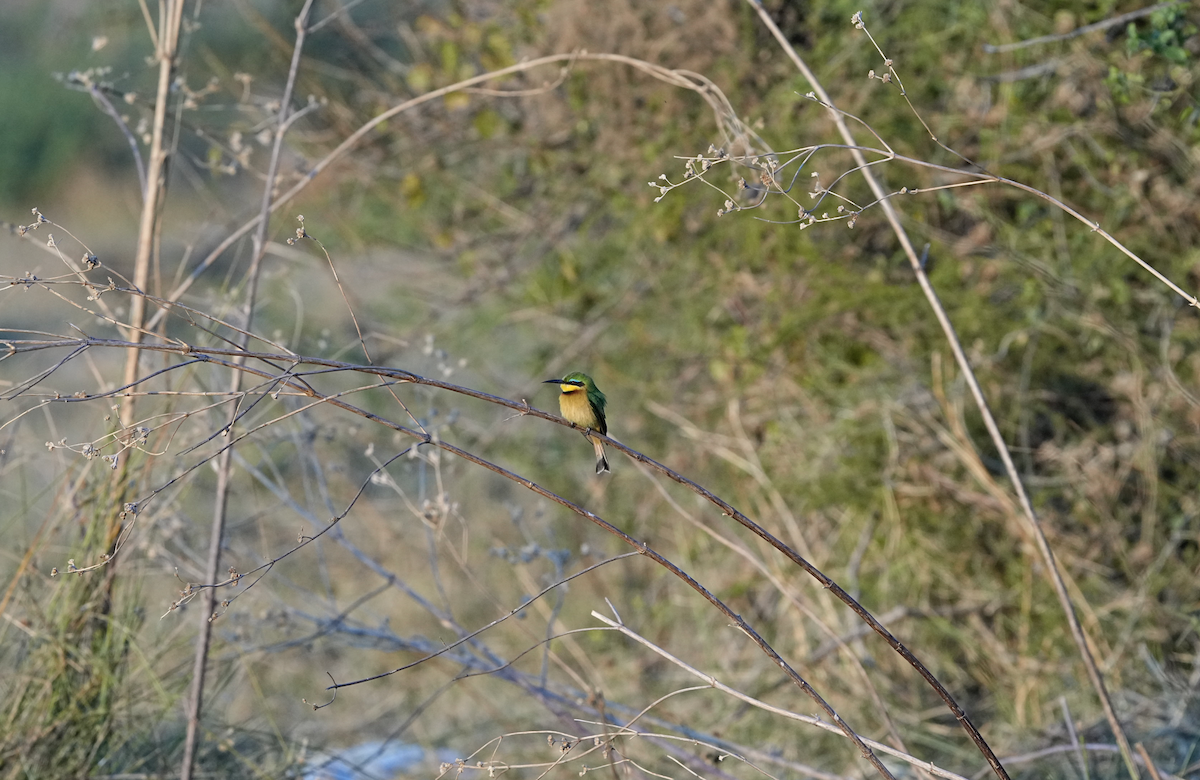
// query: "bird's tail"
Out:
[601,461]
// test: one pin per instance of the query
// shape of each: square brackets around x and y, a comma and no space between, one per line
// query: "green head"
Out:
[578,380]
[575,378]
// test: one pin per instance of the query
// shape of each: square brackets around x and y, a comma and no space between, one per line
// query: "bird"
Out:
[582,403]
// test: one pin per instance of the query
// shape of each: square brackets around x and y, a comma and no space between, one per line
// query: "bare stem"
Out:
[224,460]
[1032,524]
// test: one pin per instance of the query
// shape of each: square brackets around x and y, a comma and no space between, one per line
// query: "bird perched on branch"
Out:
[582,403]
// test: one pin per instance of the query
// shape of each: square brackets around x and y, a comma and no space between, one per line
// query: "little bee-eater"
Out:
[582,403]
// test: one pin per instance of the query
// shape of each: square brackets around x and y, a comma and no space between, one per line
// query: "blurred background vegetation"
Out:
[498,241]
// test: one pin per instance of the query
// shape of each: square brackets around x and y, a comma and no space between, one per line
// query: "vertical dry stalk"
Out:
[224,460]
[170,17]
[964,365]
[166,46]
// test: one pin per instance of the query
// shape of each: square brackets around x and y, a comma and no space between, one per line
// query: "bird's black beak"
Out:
[552,381]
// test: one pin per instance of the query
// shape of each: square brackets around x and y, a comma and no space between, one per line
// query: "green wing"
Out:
[598,402]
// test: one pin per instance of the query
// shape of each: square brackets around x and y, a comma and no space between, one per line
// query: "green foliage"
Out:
[1168,29]
[746,308]
[66,688]
[799,373]
[40,146]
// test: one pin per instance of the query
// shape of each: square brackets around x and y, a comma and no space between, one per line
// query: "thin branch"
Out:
[1115,21]
[468,637]
[167,43]
[325,365]
[727,121]
[993,429]
[224,459]
[716,684]
[106,104]
[238,364]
